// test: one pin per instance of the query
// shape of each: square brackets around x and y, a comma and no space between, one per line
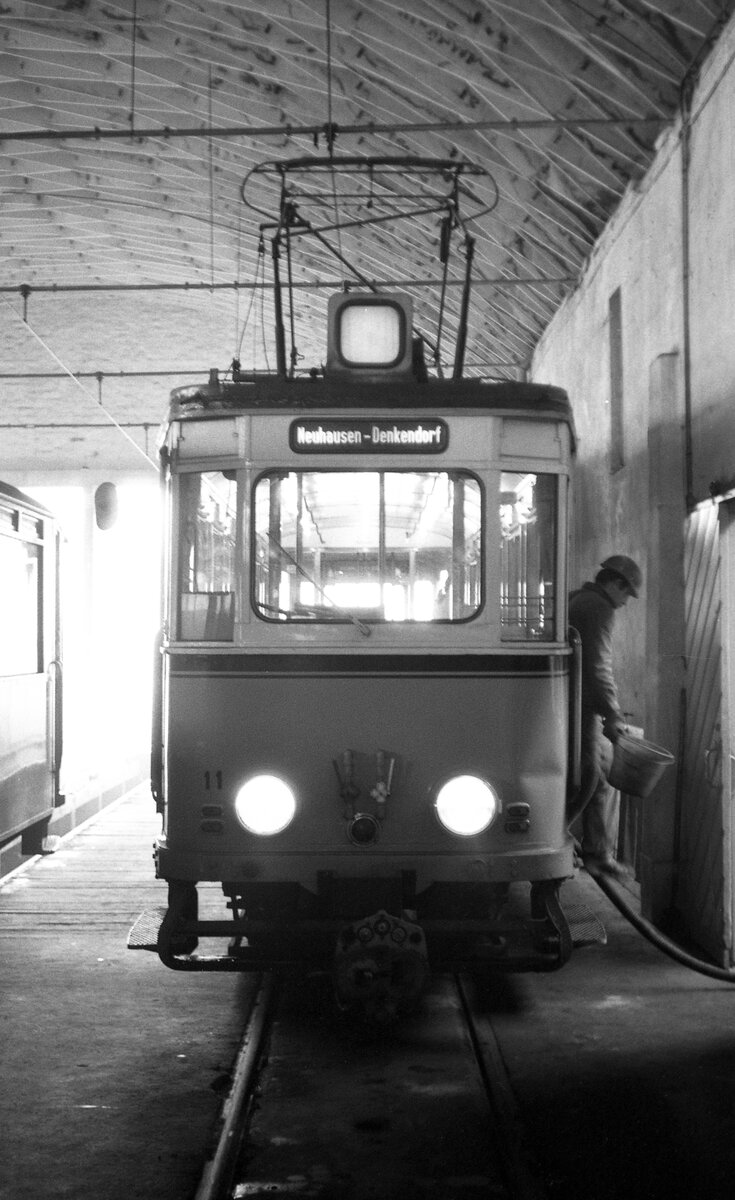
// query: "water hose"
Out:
[656,938]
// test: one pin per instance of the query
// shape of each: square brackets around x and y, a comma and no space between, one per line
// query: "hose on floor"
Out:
[656,938]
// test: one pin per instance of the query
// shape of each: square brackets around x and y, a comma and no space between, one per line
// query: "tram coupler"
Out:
[381,965]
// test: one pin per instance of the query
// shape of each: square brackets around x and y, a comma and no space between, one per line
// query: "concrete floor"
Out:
[112,1068]
[624,1066]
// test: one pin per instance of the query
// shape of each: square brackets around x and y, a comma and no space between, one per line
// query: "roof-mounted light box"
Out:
[370,336]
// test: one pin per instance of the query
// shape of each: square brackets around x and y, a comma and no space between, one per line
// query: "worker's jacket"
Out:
[592,614]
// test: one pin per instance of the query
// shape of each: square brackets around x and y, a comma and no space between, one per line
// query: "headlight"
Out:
[265,804]
[466,805]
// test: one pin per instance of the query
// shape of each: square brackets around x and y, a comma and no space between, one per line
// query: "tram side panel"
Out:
[26,791]
[30,669]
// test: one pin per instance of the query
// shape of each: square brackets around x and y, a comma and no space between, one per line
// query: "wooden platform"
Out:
[99,876]
[112,1067]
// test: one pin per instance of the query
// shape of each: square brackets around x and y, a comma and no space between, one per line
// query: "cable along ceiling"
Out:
[129,128]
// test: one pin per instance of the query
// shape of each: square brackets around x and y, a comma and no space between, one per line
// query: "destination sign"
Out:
[379,436]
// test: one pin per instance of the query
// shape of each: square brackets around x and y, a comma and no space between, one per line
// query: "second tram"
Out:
[30,669]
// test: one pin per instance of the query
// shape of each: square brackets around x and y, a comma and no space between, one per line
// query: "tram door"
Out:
[705,891]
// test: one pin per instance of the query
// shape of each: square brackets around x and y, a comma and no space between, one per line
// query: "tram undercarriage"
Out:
[382,953]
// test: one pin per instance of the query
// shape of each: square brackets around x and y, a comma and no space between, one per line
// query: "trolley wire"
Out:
[97,401]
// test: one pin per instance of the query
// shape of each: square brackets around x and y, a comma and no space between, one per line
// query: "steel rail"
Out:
[217,1176]
[522,1175]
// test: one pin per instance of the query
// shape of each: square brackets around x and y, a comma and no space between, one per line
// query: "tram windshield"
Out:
[378,545]
[369,546]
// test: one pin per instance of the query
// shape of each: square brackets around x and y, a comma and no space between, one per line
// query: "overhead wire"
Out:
[263,334]
[210,157]
[253,292]
[96,400]
[133,42]
[237,290]
[330,120]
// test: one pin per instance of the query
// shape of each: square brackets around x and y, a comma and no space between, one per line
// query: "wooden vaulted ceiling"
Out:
[130,263]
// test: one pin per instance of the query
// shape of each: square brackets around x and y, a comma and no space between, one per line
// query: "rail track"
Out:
[327,1106]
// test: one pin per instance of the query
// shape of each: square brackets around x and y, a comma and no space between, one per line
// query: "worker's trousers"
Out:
[594,810]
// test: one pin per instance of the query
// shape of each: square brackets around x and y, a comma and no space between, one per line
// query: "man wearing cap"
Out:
[592,613]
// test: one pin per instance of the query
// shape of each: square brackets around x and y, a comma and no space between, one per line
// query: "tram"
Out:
[366,725]
[30,670]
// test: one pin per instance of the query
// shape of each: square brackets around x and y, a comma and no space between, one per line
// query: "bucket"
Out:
[637,765]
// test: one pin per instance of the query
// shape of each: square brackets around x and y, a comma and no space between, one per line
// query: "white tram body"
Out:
[366,685]
[30,670]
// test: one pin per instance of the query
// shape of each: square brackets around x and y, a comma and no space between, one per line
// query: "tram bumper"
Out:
[382,955]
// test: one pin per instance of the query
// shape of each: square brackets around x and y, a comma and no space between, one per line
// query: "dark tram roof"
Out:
[275,393]
[8,492]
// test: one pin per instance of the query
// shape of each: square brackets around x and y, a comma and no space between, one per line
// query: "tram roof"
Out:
[8,492]
[278,394]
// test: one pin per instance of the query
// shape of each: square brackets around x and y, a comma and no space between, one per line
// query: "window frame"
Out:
[176,558]
[20,532]
[505,635]
[367,616]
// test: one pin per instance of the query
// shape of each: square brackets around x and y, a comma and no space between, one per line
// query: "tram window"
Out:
[207,525]
[21,652]
[380,545]
[527,556]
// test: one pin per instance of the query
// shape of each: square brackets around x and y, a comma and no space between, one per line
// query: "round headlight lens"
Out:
[466,805]
[265,804]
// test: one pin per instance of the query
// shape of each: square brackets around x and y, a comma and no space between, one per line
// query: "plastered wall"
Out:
[712,274]
[612,511]
[670,249]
